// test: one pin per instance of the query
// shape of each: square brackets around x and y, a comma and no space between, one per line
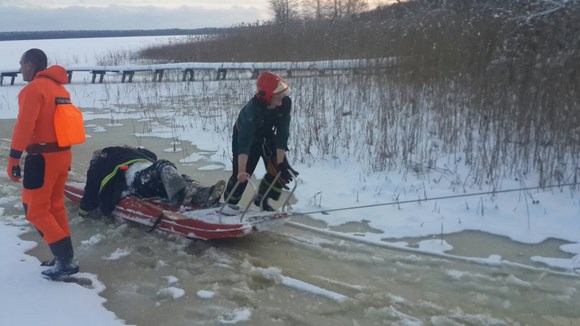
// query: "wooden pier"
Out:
[187,70]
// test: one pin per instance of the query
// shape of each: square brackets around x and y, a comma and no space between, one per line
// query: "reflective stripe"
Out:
[112,174]
[275,187]
[233,197]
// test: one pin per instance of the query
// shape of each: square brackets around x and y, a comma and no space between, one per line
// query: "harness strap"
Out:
[156,223]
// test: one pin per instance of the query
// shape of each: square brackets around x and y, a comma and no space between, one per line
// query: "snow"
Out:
[170,293]
[204,294]
[571,248]
[306,287]
[236,316]
[211,167]
[171,279]
[566,264]
[54,303]
[435,245]
[195,157]
[95,239]
[275,275]
[173,150]
[323,186]
[133,169]
[118,254]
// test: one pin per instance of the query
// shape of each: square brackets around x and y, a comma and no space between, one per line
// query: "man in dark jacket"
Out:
[117,171]
[262,130]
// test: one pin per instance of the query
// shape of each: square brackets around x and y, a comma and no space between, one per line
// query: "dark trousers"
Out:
[262,148]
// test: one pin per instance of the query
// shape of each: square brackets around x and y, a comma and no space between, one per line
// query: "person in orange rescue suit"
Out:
[46,164]
[262,130]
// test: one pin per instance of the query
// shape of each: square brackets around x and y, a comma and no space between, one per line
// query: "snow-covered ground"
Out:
[325,186]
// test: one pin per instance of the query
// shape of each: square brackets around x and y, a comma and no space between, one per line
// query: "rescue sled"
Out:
[225,221]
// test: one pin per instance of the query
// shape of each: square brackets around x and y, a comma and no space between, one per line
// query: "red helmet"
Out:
[270,84]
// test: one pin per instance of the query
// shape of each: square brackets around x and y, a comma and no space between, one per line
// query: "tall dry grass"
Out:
[492,83]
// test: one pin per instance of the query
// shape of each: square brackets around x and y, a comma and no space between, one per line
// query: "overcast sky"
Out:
[38,15]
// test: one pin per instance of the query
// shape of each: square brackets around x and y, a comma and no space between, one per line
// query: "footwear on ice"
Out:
[63,262]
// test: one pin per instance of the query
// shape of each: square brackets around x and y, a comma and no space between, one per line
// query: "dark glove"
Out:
[14,169]
[285,169]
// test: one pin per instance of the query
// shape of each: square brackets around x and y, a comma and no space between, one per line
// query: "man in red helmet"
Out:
[262,130]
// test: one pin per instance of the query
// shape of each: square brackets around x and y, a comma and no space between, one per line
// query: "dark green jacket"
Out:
[256,122]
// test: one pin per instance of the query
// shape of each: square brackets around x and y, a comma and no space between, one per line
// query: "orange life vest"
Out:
[68,123]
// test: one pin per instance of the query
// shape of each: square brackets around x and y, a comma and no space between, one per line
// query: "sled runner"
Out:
[226,221]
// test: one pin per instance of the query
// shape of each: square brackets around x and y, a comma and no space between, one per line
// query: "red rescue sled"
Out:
[222,222]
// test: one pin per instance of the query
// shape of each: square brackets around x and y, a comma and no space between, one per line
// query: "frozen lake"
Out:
[296,276]
[78,52]
[409,265]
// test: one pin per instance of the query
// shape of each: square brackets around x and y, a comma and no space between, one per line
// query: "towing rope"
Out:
[326,211]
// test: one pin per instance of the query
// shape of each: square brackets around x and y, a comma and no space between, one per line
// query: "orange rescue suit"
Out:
[46,165]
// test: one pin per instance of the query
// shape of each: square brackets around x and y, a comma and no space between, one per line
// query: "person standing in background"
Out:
[46,163]
[262,130]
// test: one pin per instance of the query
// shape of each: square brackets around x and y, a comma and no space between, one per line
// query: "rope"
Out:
[326,211]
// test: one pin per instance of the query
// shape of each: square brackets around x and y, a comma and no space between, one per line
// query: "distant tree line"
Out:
[449,35]
[39,35]
[289,10]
